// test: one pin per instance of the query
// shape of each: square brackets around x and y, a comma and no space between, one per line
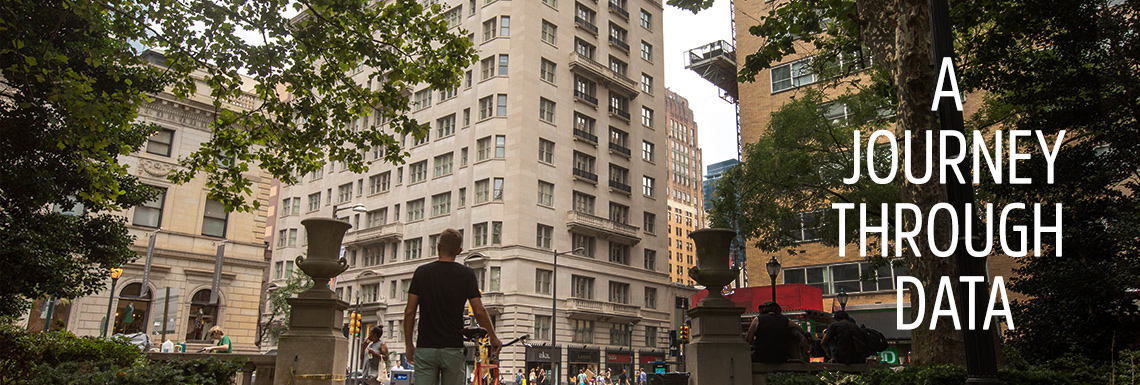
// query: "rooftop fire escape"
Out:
[716,62]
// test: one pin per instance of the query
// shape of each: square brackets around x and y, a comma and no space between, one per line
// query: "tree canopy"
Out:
[330,84]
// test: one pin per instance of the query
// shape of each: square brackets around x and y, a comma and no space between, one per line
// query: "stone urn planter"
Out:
[323,261]
[713,270]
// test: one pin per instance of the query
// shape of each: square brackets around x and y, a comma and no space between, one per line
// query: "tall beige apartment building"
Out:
[684,187]
[189,228]
[555,140]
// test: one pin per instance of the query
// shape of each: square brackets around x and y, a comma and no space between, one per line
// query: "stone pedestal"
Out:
[717,353]
[313,346]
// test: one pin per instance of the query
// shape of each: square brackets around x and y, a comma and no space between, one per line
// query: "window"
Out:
[804,227]
[452,16]
[650,260]
[585,16]
[549,32]
[417,172]
[620,334]
[442,164]
[297,205]
[415,210]
[344,193]
[314,201]
[545,151]
[584,125]
[504,26]
[496,277]
[368,292]
[582,287]
[376,217]
[277,267]
[552,3]
[833,278]
[483,149]
[585,89]
[545,110]
[619,140]
[466,117]
[543,236]
[489,29]
[647,151]
[202,315]
[619,253]
[546,71]
[583,48]
[380,183]
[281,243]
[440,204]
[542,327]
[292,242]
[160,143]
[646,83]
[447,94]
[646,116]
[462,197]
[214,219]
[646,20]
[467,79]
[482,191]
[651,336]
[445,126]
[618,36]
[619,292]
[545,193]
[619,178]
[646,51]
[585,242]
[503,64]
[584,163]
[486,108]
[619,105]
[583,331]
[500,146]
[583,203]
[794,74]
[618,66]
[479,234]
[497,194]
[149,214]
[542,280]
[647,185]
[423,99]
[487,68]
[501,105]
[412,250]
[619,213]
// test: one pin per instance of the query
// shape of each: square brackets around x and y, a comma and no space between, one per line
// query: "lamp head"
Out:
[773,267]
[842,297]
[116,273]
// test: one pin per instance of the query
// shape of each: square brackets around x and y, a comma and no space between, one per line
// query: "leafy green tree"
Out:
[277,323]
[73,84]
[1067,66]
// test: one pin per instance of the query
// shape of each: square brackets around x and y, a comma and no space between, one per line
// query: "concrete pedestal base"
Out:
[313,351]
[717,353]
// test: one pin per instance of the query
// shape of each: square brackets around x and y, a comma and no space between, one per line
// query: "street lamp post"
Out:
[629,377]
[115,274]
[554,303]
[773,267]
[357,208]
[842,299]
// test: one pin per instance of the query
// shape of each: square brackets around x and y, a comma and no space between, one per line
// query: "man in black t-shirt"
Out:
[842,341]
[439,290]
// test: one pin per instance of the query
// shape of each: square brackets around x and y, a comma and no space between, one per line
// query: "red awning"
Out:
[791,296]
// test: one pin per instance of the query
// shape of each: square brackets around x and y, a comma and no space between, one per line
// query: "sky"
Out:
[716,118]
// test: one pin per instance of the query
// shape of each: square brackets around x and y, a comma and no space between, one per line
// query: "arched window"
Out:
[132,312]
[203,316]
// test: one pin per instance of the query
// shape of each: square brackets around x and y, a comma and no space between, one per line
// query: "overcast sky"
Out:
[716,118]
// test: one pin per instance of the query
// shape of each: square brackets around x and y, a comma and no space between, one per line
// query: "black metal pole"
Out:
[981,359]
[110,304]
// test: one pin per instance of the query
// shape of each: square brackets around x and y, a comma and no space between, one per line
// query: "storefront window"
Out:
[132,311]
[202,316]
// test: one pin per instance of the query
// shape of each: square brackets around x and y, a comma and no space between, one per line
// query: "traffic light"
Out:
[352,324]
[356,321]
[684,334]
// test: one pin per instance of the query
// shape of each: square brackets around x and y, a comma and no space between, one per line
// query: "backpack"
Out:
[874,341]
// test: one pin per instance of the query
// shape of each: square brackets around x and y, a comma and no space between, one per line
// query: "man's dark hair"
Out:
[769,307]
[377,331]
[841,316]
[450,241]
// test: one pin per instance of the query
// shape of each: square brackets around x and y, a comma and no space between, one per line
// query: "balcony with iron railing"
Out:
[586,25]
[602,227]
[590,99]
[586,175]
[621,187]
[619,113]
[603,74]
[620,44]
[385,232]
[619,10]
[586,136]
[621,150]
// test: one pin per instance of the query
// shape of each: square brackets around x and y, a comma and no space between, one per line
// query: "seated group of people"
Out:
[776,339]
